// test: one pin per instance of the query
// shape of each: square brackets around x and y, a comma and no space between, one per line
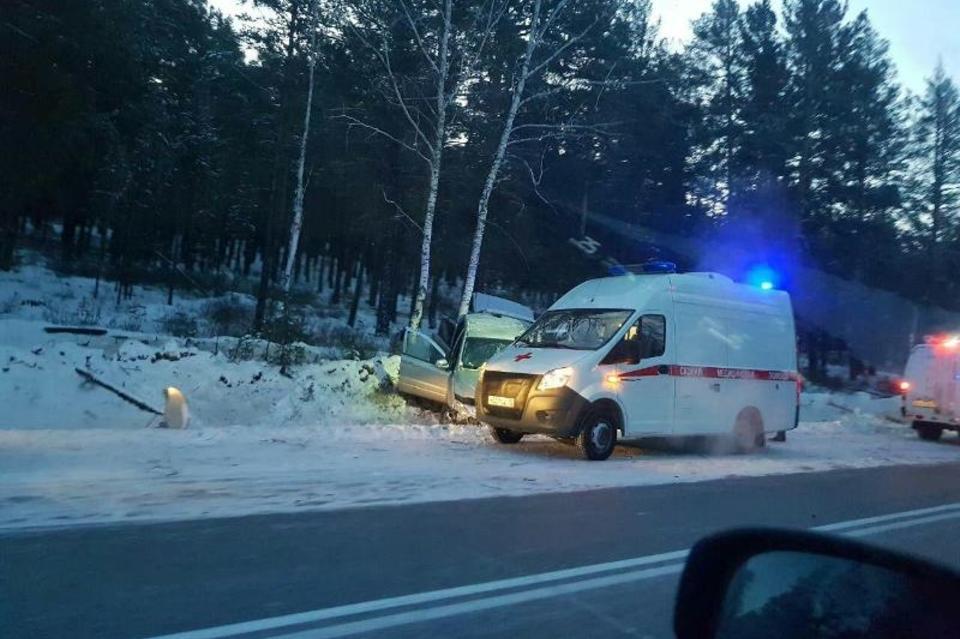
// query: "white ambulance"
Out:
[648,355]
[931,386]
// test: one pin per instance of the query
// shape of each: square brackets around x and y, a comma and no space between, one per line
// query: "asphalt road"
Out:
[478,568]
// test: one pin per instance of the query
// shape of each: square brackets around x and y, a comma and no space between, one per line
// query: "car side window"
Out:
[418,346]
[457,347]
[653,336]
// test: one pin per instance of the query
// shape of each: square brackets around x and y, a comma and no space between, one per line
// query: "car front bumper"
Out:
[555,412]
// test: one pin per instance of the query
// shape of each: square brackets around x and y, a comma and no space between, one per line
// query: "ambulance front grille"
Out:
[514,385]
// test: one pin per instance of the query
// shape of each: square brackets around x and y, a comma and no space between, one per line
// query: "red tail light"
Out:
[904,386]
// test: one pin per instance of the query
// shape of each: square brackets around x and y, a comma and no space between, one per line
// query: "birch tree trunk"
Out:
[436,158]
[296,223]
[483,206]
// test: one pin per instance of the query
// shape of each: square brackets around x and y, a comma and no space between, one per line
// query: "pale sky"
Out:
[918,30]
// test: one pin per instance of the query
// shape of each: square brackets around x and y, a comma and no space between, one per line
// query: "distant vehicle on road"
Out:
[444,368]
[931,386]
[641,355]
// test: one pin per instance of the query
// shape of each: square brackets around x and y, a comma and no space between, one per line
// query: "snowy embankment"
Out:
[68,477]
[41,389]
[332,434]
[262,442]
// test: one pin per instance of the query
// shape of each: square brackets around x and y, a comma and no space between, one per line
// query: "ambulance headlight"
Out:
[557,378]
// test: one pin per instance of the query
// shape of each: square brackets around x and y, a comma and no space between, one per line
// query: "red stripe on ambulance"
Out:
[711,372]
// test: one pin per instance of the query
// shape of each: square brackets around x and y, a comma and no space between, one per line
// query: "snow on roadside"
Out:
[330,436]
[39,387]
[71,477]
[36,293]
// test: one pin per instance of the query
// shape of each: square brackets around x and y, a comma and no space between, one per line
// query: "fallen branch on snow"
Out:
[93,379]
[75,330]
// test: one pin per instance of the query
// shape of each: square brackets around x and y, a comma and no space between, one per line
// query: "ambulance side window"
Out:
[653,336]
[645,339]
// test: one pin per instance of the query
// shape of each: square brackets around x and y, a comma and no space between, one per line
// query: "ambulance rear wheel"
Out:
[928,432]
[504,436]
[748,436]
[598,437]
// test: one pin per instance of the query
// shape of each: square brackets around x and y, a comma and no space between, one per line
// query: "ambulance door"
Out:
[646,387]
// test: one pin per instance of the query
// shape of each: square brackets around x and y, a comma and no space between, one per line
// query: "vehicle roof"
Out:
[486,303]
[633,291]
[493,326]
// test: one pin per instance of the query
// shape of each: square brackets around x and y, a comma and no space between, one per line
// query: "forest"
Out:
[370,151]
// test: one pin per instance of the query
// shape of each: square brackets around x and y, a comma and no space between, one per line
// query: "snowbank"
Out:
[36,293]
[39,387]
[70,477]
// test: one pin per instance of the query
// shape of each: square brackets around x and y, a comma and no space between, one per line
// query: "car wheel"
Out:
[598,437]
[748,437]
[504,436]
[928,432]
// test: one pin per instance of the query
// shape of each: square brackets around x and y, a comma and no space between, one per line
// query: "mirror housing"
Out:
[442,364]
[773,580]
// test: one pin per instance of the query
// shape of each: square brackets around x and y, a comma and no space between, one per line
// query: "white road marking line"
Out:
[474,605]
[856,523]
[876,530]
[853,528]
[422,597]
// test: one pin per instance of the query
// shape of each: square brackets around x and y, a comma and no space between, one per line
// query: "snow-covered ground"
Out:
[331,434]
[67,477]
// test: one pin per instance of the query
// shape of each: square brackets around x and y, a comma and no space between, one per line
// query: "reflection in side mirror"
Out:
[442,364]
[795,594]
[792,585]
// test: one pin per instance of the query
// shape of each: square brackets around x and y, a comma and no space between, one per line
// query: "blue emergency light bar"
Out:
[646,268]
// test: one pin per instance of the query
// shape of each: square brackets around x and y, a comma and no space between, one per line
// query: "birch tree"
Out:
[296,221]
[536,61]
[425,106]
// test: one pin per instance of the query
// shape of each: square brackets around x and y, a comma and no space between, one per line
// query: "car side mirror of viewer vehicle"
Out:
[799,585]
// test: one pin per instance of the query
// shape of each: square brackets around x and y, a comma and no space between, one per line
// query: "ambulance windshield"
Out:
[584,329]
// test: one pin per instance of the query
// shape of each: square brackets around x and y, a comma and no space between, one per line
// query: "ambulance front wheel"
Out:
[598,437]
[928,432]
[504,436]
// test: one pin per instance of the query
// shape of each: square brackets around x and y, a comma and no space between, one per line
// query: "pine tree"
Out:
[935,155]
[815,99]
[764,151]
[716,61]
[865,180]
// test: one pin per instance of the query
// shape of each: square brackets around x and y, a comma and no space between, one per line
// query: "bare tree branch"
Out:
[526,262]
[559,50]
[356,122]
[417,36]
[536,179]
[400,100]
[401,212]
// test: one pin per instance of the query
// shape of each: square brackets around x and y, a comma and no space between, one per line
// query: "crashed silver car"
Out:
[444,367]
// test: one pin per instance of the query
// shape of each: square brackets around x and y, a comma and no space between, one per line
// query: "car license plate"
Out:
[503,402]
[924,403]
